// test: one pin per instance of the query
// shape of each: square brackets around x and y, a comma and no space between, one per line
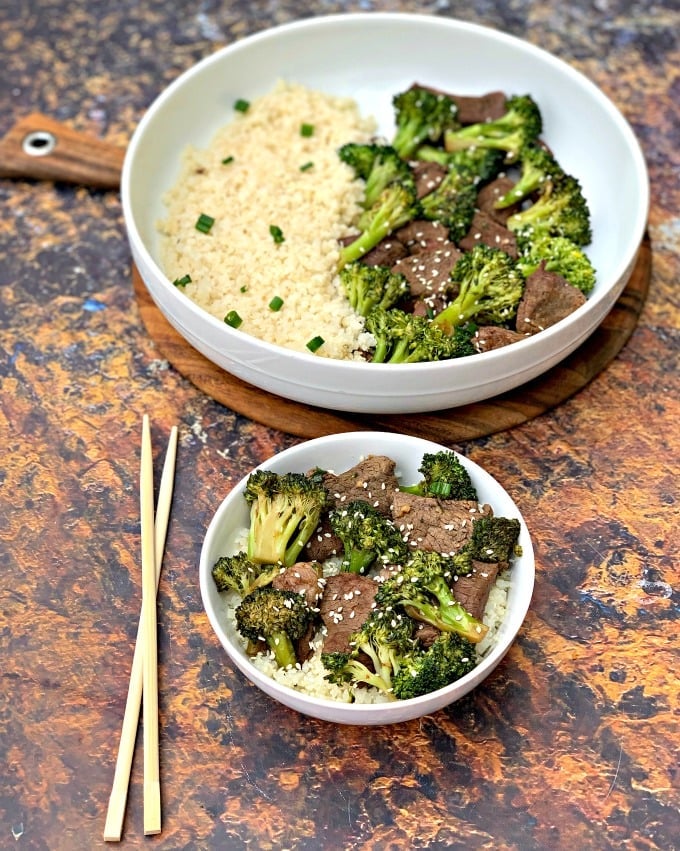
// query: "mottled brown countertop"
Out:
[571,744]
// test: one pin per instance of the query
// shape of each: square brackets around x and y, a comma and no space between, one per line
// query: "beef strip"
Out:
[490,193]
[487,230]
[347,602]
[472,591]
[436,525]
[473,109]
[429,273]
[386,253]
[547,299]
[305,577]
[428,176]
[490,337]
[423,235]
[323,544]
[372,480]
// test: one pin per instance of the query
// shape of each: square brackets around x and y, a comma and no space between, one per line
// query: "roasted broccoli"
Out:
[396,205]
[444,477]
[521,124]
[402,337]
[489,289]
[367,286]
[537,164]
[279,617]
[447,659]
[422,591]
[367,536]
[240,574]
[420,115]
[561,209]
[377,165]
[494,539]
[560,255]
[452,203]
[284,512]
[386,639]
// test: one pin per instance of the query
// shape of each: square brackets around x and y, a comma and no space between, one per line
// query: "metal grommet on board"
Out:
[39,143]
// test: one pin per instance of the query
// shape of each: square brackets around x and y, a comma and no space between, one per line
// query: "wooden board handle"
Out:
[43,149]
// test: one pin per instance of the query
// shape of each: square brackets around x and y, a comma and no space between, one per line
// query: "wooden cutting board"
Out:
[447,427]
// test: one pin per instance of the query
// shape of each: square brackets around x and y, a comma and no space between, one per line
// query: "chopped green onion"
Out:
[306,130]
[183,281]
[277,234]
[232,318]
[204,223]
[242,105]
[315,343]
[276,303]
[306,166]
[227,160]
[244,289]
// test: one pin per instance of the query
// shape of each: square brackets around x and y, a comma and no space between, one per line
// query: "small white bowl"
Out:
[338,453]
[372,56]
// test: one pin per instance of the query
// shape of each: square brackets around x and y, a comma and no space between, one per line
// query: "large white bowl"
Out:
[338,453]
[371,57]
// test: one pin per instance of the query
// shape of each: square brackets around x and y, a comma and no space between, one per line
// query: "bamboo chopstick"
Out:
[116,810]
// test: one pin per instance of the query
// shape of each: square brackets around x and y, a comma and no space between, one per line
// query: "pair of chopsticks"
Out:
[144,674]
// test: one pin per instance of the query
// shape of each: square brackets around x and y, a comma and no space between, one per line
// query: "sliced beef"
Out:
[472,591]
[305,577]
[386,253]
[426,633]
[490,337]
[323,544]
[428,176]
[490,193]
[346,604]
[487,230]
[473,109]
[437,525]
[372,480]
[547,298]
[429,273]
[423,235]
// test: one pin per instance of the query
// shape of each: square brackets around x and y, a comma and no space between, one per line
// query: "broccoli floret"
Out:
[240,574]
[559,255]
[421,114]
[367,286]
[521,124]
[396,205]
[489,289]
[447,659]
[452,203]
[284,512]
[479,164]
[367,536]
[560,210]
[444,477]
[279,617]
[537,166]
[402,337]
[494,539]
[377,165]
[387,640]
[422,591]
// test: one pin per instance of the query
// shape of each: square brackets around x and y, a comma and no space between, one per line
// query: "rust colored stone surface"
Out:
[571,744]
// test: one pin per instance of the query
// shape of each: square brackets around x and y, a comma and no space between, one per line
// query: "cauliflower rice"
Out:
[238,265]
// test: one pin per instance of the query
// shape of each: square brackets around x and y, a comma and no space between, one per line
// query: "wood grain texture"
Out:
[450,426]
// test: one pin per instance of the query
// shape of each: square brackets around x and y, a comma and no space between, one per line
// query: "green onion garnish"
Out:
[183,281]
[242,105]
[232,318]
[276,303]
[315,343]
[244,289]
[277,234]
[204,223]
[227,160]
[306,130]
[306,166]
